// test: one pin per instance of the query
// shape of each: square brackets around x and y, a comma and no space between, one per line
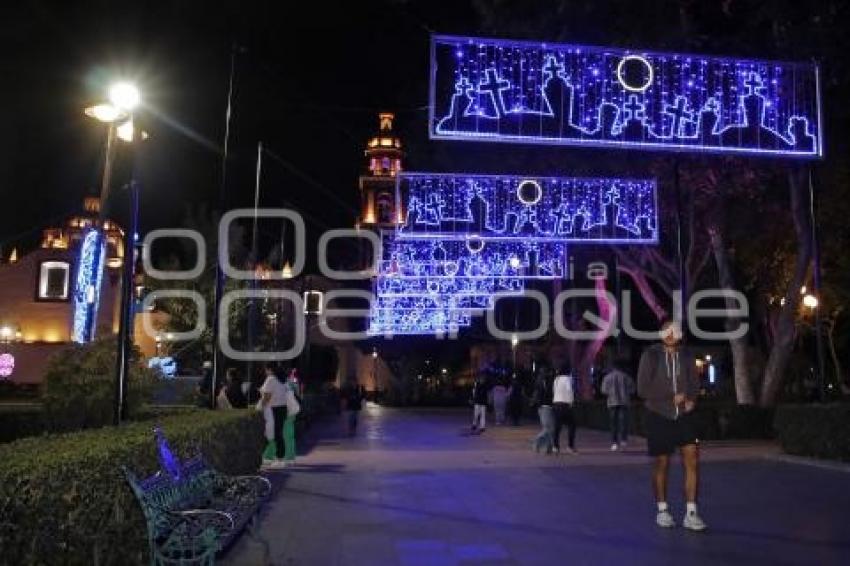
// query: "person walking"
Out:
[293,407]
[668,384]
[351,402]
[480,395]
[543,395]
[562,405]
[500,401]
[274,394]
[618,386]
[231,395]
[515,401]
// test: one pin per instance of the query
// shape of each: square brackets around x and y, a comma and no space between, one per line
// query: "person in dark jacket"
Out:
[515,401]
[480,398]
[233,390]
[351,401]
[669,386]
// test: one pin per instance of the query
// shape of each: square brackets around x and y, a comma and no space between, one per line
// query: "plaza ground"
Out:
[415,489]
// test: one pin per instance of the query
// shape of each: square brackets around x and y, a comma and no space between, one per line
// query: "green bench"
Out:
[194,512]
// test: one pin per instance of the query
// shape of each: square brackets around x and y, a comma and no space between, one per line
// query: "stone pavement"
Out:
[414,489]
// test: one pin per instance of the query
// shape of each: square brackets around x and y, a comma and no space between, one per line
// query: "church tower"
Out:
[377,185]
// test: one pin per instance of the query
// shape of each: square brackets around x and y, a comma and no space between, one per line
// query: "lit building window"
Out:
[53,278]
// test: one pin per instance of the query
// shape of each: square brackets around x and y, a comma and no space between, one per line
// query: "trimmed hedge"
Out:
[714,420]
[19,420]
[819,431]
[64,499]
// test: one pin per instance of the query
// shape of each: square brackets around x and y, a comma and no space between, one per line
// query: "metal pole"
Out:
[680,244]
[252,306]
[816,284]
[107,171]
[219,274]
[126,319]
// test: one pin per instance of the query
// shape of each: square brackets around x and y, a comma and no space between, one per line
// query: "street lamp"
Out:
[124,97]
[810,301]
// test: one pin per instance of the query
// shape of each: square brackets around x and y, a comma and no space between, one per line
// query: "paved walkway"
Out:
[414,489]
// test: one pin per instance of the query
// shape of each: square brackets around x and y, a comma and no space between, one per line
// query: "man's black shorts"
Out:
[664,435]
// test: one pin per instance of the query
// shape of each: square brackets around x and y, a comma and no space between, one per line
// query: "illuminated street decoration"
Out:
[499,207]
[87,287]
[494,90]
[7,365]
[464,239]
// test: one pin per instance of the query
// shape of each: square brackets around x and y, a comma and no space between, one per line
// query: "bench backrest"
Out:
[178,485]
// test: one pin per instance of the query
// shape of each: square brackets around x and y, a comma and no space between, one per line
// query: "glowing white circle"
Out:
[538,192]
[622,80]
[514,262]
[474,244]
[450,268]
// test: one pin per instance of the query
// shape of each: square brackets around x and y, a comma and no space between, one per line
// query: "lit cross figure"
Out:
[634,109]
[494,87]
[553,69]
[754,84]
[680,114]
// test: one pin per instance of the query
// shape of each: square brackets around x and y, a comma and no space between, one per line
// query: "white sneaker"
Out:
[278,465]
[614,447]
[555,450]
[267,464]
[665,520]
[693,522]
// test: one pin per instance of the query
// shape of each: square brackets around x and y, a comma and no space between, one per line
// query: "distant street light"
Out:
[810,301]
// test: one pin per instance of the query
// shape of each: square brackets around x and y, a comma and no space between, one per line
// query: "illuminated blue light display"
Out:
[494,90]
[464,239]
[87,287]
[510,207]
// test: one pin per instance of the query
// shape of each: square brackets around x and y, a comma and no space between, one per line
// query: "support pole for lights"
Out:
[218,290]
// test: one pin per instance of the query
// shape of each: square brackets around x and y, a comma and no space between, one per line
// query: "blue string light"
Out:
[494,90]
[89,279]
[464,239]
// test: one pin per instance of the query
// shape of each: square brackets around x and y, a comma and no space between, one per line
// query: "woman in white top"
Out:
[563,400]
[274,393]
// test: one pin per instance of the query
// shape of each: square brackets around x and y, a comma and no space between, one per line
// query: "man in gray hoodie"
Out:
[669,385]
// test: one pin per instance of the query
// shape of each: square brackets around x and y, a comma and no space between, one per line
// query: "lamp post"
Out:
[124,97]
[375,373]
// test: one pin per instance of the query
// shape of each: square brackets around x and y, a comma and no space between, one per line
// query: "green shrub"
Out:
[80,386]
[20,420]
[64,499]
[820,431]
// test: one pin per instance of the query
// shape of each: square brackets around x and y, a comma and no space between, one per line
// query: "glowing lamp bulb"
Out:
[514,262]
[124,95]
[810,301]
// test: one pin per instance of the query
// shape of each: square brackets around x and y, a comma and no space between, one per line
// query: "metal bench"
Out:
[194,512]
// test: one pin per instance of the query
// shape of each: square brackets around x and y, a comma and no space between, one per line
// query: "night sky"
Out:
[308,84]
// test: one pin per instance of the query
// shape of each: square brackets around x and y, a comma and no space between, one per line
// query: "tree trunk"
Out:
[785,330]
[839,378]
[740,361]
